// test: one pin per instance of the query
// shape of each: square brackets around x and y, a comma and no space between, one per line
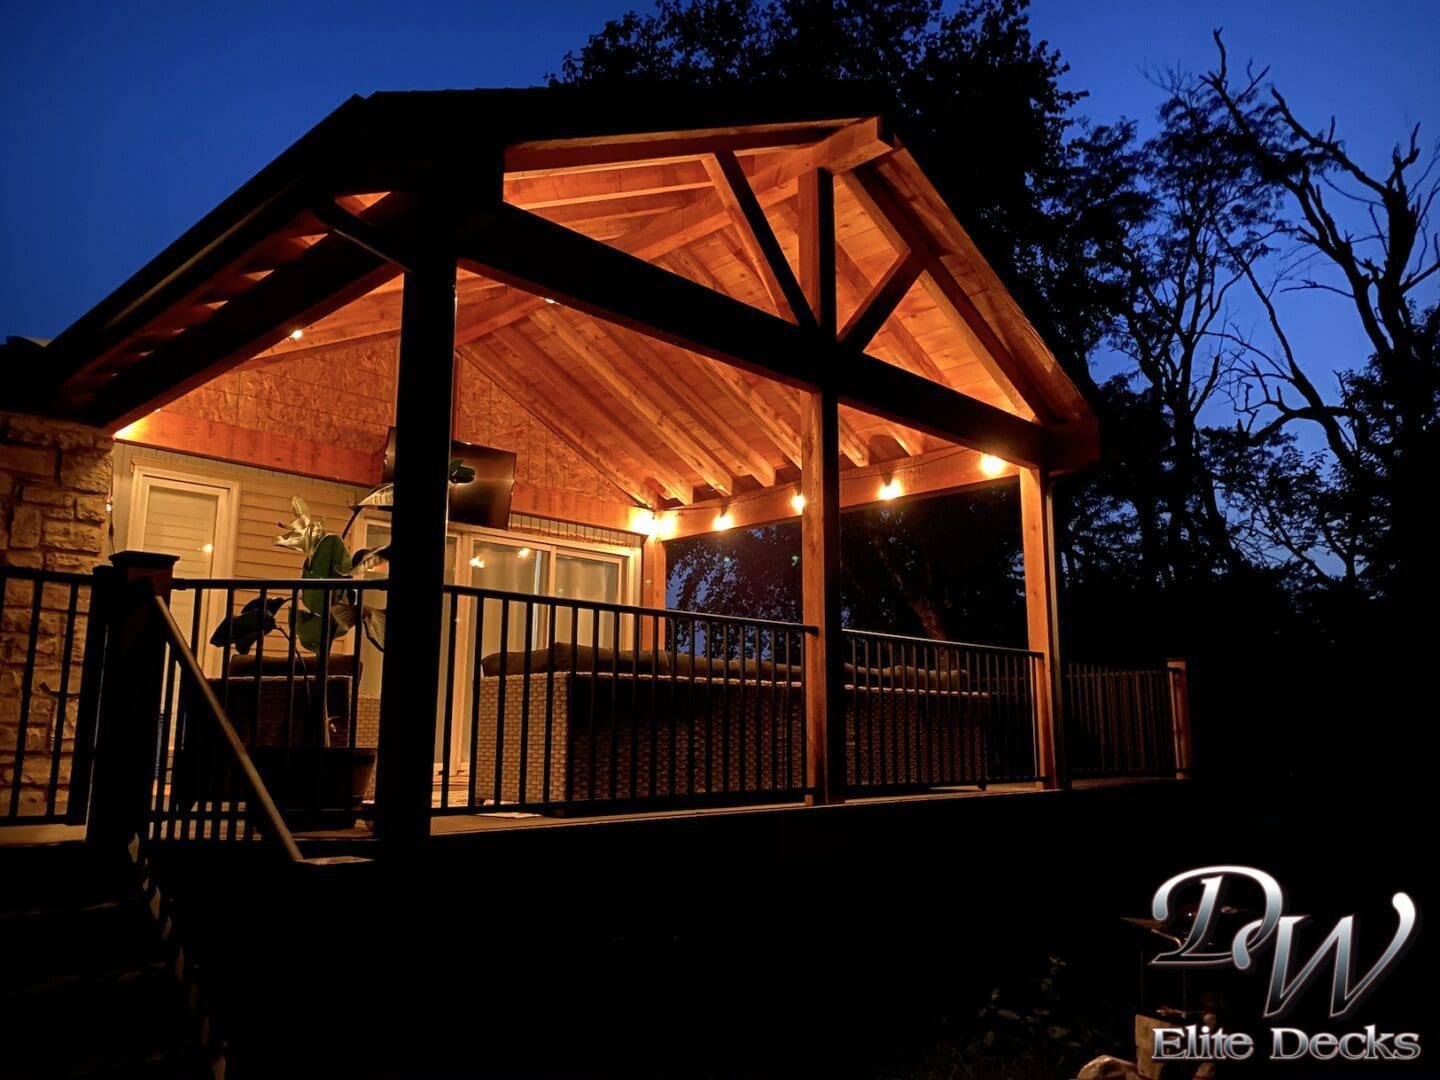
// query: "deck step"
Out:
[86,988]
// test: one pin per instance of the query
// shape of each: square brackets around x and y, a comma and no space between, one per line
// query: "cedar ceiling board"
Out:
[725,258]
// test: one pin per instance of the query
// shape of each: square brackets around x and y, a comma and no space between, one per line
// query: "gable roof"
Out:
[645,157]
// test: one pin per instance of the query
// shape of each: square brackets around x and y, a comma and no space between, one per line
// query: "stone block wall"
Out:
[54,486]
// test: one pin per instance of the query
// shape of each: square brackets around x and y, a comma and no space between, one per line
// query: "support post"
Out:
[1037,527]
[1180,717]
[130,698]
[653,577]
[820,519]
[415,604]
[820,596]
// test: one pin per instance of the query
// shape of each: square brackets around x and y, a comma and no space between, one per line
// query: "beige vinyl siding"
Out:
[262,509]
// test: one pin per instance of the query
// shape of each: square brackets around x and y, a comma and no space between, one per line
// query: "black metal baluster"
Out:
[62,699]
[500,686]
[545,769]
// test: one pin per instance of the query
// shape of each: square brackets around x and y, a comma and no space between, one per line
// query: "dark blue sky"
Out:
[122,123]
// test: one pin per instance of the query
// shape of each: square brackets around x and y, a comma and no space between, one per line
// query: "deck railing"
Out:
[1121,721]
[50,656]
[294,669]
[924,713]
[551,703]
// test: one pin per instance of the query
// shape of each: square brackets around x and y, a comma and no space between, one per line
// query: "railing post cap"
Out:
[143,560]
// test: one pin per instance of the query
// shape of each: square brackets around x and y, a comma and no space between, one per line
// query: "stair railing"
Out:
[258,797]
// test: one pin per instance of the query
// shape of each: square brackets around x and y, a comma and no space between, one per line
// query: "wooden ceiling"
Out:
[667,426]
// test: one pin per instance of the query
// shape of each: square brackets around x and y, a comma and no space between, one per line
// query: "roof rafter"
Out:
[504,375]
[676,370]
[655,411]
[892,219]
[598,413]
[528,251]
[757,238]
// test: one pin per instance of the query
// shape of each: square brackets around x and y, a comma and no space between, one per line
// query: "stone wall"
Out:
[54,484]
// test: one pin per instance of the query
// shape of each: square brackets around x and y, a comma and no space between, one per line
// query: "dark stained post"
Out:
[1037,528]
[130,698]
[415,602]
[820,518]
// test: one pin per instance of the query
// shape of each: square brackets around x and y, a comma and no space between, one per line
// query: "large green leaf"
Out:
[242,630]
[307,628]
[331,560]
[373,622]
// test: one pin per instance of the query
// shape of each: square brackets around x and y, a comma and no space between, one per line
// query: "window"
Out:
[191,517]
[513,563]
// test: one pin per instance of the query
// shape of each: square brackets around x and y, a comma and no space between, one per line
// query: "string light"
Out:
[797,501]
[296,334]
[477,562]
[724,520]
[991,465]
[890,489]
[523,553]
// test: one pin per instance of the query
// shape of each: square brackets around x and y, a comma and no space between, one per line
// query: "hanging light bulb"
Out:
[991,465]
[723,520]
[797,502]
[890,489]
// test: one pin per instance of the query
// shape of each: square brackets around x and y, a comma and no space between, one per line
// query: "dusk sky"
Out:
[123,123]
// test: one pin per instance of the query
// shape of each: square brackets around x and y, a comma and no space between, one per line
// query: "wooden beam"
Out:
[415,604]
[940,472]
[526,498]
[862,139]
[263,449]
[541,406]
[1042,620]
[757,238]
[852,444]
[573,189]
[862,326]
[597,413]
[332,274]
[820,598]
[748,397]
[771,182]
[816,230]
[677,370]
[656,412]
[901,229]
[893,336]
[531,253]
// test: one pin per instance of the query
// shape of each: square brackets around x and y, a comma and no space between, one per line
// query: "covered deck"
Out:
[680,317]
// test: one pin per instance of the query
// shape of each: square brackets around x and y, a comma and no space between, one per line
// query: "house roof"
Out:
[304,246]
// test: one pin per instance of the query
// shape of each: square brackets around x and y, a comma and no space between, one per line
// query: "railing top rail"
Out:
[279,830]
[368,584]
[940,642]
[1087,667]
[47,577]
[624,609]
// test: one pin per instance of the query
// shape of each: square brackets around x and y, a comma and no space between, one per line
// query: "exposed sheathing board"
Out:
[340,396]
[486,415]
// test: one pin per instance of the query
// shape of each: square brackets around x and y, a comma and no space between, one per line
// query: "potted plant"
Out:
[319,776]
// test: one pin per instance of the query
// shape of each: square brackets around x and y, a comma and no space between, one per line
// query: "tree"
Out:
[1381,426]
